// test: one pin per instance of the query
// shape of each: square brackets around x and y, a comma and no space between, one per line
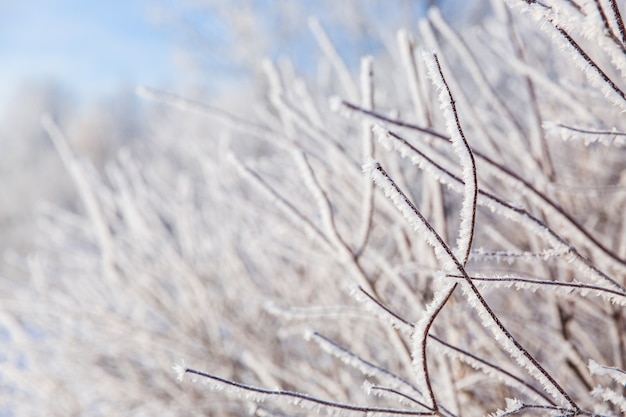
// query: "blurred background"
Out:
[81,62]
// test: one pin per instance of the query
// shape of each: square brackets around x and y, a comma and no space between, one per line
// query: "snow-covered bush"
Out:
[441,234]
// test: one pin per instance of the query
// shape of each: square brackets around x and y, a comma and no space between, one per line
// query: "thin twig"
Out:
[461,352]
[297,397]
[468,213]
[408,209]
[619,21]
[504,171]
[579,50]
[548,283]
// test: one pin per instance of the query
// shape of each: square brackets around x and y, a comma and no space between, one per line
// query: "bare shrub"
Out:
[477,266]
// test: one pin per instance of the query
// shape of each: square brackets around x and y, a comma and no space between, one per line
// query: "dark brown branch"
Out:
[579,50]
[298,397]
[463,352]
[503,170]
[619,21]
[468,149]
[479,298]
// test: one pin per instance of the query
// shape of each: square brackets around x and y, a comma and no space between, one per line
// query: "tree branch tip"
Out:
[336,104]
[370,164]
[180,369]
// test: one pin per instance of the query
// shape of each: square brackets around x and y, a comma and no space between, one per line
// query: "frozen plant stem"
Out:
[619,21]
[258,394]
[593,65]
[461,354]
[476,300]
[468,217]
[420,337]
[524,185]
[463,150]
[368,368]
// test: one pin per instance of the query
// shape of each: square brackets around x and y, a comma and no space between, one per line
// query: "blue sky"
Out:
[90,46]
[94,47]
